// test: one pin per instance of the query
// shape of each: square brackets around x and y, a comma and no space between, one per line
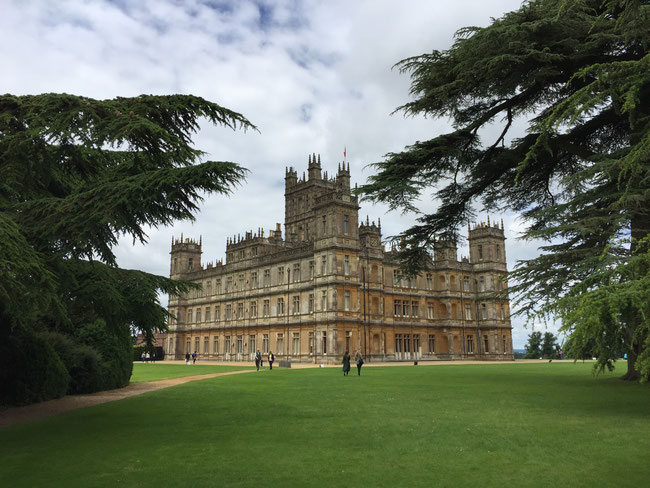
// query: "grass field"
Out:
[476,425]
[162,371]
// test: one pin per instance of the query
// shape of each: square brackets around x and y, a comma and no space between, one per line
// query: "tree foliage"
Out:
[577,74]
[534,345]
[77,174]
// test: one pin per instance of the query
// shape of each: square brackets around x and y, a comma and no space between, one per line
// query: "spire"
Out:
[502,223]
[488,224]
[319,160]
[379,223]
[309,160]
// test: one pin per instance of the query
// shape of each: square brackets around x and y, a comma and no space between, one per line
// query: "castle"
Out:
[330,286]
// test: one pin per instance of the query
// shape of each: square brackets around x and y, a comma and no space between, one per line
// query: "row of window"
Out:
[404,343]
[401,308]
[237,344]
[237,311]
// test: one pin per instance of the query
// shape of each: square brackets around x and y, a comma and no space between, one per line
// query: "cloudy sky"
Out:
[314,76]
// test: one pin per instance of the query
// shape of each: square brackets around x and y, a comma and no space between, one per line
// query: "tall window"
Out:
[240,344]
[228,311]
[206,345]
[311,270]
[296,272]
[280,275]
[217,287]
[323,300]
[217,313]
[208,287]
[432,343]
[398,342]
[429,310]
[311,303]
[414,309]
[483,311]
[324,343]
[429,282]
[324,220]
[267,277]
[196,345]
[480,251]
[486,344]
[265,343]
[481,284]
[240,310]
[215,345]
[498,252]
[346,265]
[407,343]
[254,283]
[253,309]
[347,300]
[348,338]
[397,305]
[198,315]
[346,224]
[323,265]
[296,305]
[466,283]
[416,343]
[279,343]
[251,344]
[266,307]
[311,343]
[280,309]
[470,344]
[228,284]
[295,340]
[406,306]
[504,345]
[190,262]
[227,345]
[468,311]
[207,314]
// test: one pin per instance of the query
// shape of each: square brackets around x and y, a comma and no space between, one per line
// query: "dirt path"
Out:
[16,415]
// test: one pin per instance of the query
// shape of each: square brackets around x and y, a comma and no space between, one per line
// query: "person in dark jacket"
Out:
[346,363]
[271,359]
[358,358]
[258,359]
[187,358]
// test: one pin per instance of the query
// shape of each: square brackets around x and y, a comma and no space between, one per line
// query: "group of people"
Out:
[259,360]
[145,357]
[187,357]
[358,359]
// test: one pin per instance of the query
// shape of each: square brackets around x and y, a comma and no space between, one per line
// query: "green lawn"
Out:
[162,371]
[486,425]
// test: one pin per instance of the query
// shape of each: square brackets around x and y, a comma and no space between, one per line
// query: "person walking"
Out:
[187,358]
[258,359]
[194,357]
[358,358]
[271,359]
[346,363]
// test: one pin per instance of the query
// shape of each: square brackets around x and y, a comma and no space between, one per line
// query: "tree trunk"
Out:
[639,227]
[632,373]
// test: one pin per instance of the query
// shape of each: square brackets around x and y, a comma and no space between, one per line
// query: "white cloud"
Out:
[313,76]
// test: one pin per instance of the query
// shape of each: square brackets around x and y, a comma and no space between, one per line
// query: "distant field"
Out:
[162,371]
[477,425]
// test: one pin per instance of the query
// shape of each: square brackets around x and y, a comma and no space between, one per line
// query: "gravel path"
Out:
[16,415]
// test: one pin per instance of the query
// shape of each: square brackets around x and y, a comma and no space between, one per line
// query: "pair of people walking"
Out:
[358,359]
[259,361]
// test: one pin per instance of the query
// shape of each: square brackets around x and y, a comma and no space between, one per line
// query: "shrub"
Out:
[115,347]
[30,370]
[82,362]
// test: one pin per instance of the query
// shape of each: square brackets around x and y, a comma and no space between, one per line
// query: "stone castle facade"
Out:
[329,286]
